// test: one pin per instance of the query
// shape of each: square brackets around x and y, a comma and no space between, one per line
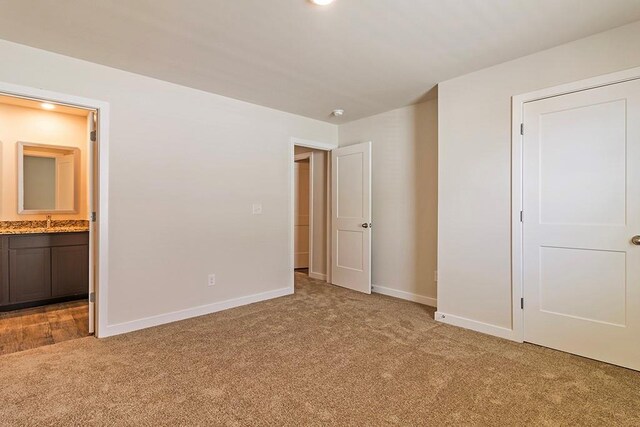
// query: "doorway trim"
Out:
[517,194]
[299,157]
[101,264]
[324,146]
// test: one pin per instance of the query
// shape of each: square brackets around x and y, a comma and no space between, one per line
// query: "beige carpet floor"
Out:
[324,356]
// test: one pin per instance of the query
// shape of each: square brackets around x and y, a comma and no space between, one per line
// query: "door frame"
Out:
[517,196]
[98,191]
[299,157]
[307,143]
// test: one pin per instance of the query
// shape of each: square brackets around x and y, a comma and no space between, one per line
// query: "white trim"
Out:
[328,216]
[474,325]
[297,158]
[102,108]
[408,296]
[310,207]
[326,146]
[318,276]
[188,313]
[517,114]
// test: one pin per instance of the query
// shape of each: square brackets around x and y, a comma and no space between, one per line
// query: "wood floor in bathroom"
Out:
[35,327]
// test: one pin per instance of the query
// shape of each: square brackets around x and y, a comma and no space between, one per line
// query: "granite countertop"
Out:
[35,227]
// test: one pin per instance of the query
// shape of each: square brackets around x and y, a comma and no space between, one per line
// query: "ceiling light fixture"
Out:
[321,2]
[337,113]
[47,106]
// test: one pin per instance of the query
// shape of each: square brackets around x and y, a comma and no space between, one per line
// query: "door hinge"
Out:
[521,303]
[521,128]
[93,217]
[521,216]
[92,297]
[93,136]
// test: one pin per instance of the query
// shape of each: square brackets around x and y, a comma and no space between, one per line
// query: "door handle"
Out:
[368,225]
[635,240]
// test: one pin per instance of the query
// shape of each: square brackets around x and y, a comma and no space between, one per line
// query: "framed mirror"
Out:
[48,178]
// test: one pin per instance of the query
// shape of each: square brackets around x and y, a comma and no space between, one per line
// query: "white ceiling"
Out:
[366,56]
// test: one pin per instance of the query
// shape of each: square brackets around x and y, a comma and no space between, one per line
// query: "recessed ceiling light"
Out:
[337,113]
[47,106]
[321,2]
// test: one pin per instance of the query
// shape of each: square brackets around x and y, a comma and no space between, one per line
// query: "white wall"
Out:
[474,252]
[185,168]
[404,157]
[319,262]
[42,127]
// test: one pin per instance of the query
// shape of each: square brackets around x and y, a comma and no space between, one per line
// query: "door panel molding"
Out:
[351,217]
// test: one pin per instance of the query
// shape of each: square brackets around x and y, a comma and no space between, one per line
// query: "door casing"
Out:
[324,146]
[309,157]
[99,191]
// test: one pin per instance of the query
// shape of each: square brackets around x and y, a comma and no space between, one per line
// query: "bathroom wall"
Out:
[25,124]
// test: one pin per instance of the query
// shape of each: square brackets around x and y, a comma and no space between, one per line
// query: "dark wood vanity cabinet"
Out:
[29,274]
[42,268]
[69,270]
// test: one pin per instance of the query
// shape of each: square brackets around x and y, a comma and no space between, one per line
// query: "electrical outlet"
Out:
[212,279]
[257,208]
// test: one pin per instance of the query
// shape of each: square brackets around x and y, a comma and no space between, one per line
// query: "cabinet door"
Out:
[29,274]
[70,270]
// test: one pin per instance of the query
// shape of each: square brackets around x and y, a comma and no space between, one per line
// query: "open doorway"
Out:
[310,212]
[48,209]
[331,214]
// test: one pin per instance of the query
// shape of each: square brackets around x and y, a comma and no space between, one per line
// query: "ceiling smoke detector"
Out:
[337,113]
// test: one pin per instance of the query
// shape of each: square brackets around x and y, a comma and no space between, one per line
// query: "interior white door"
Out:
[581,213]
[351,217]
[301,214]
[93,207]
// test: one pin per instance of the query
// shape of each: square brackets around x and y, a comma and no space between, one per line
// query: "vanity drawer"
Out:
[48,240]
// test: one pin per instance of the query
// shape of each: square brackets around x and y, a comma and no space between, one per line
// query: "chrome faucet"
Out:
[48,221]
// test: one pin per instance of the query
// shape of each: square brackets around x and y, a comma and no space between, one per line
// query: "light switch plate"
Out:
[257,208]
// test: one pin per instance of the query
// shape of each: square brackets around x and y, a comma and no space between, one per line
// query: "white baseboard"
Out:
[431,302]
[161,319]
[318,276]
[474,325]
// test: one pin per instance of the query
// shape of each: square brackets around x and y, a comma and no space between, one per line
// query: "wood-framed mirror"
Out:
[48,179]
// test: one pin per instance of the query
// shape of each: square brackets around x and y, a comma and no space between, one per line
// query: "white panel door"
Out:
[351,217]
[581,212]
[93,207]
[301,214]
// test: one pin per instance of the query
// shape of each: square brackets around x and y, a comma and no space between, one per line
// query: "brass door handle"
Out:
[368,225]
[635,240]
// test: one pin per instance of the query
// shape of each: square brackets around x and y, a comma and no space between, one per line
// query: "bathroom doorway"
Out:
[49,151]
